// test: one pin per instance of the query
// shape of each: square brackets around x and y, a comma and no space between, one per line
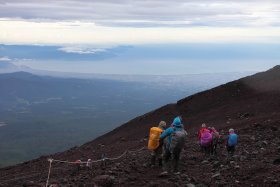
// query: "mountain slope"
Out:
[250,105]
[48,114]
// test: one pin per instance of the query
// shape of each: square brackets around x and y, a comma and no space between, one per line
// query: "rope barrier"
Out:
[86,162]
[137,150]
[116,158]
[50,160]
[100,160]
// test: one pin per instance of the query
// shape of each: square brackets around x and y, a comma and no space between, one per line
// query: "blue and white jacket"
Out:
[177,126]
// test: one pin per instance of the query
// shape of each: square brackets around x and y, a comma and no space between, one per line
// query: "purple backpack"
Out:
[206,139]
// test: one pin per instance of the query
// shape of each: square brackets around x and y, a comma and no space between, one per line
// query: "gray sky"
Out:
[93,29]
[122,22]
[148,13]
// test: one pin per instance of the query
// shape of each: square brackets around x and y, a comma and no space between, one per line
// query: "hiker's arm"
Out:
[165,133]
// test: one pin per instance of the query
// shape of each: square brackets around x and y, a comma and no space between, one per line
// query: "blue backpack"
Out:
[232,139]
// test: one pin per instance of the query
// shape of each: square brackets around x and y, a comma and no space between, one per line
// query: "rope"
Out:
[100,160]
[50,160]
[116,158]
[61,161]
[137,150]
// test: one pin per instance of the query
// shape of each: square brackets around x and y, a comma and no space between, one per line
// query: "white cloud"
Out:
[87,33]
[82,50]
[4,58]
[154,12]
[113,22]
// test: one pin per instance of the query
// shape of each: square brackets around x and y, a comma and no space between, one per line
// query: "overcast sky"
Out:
[82,26]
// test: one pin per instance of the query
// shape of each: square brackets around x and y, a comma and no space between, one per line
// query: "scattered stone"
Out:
[205,162]
[255,152]
[190,185]
[276,161]
[54,185]
[237,167]
[242,158]
[163,174]
[145,165]
[216,175]
[216,164]
[274,128]
[122,139]
[153,184]
[193,179]
[64,181]
[132,178]
[185,177]
[104,180]
[111,172]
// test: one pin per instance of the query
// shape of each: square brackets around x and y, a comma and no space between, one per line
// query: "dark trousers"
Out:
[157,154]
[231,150]
[174,156]
[214,146]
[206,150]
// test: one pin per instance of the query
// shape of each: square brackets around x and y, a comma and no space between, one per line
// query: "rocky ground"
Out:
[256,163]
[250,105]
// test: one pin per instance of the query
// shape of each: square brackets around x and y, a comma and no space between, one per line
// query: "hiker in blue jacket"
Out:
[174,142]
[231,142]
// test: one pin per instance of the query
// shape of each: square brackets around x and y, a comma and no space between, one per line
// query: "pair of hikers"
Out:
[170,141]
[209,138]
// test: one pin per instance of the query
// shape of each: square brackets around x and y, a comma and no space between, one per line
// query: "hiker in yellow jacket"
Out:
[155,145]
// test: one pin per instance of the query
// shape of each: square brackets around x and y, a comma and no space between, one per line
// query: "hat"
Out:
[231,130]
[177,121]
[162,124]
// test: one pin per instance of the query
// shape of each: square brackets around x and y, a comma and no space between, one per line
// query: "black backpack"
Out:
[178,138]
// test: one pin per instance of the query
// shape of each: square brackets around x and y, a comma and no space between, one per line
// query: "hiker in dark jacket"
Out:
[157,153]
[175,138]
[215,140]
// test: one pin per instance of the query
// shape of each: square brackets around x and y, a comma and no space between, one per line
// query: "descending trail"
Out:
[249,105]
[254,155]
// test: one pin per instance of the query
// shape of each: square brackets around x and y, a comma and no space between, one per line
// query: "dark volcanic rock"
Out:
[249,105]
[276,161]
[104,180]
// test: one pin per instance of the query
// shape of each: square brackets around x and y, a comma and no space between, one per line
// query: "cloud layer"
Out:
[139,13]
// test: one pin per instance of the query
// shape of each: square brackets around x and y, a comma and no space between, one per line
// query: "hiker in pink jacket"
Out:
[206,142]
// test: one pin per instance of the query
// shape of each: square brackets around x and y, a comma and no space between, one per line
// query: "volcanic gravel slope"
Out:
[250,105]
